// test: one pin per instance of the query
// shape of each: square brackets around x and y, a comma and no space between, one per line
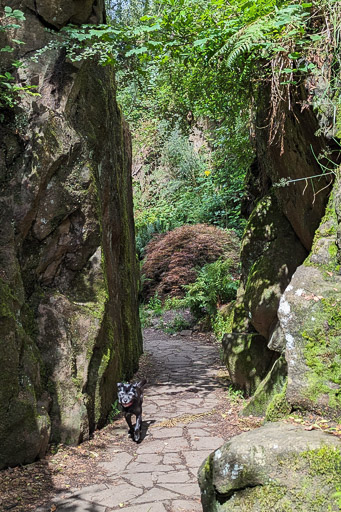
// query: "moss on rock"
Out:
[278,467]
[268,391]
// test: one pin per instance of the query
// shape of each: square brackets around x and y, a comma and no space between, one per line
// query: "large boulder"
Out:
[310,319]
[69,322]
[278,466]
[270,253]
[288,142]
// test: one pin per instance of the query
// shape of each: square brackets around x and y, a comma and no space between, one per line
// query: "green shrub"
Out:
[214,285]
[155,304]
[174,259]
[222,324]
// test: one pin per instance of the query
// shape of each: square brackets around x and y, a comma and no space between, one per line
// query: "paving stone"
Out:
[151,447]
[145,480]
[72,506]
[171,458]
[162,433]
[112,495]
[176,444]
[117,464]
[195,459]
[134,467]
[190,490]
[185,506]
[197,432]
[156,494]
[148,458]
[174,477]
[207,443]
[147,507]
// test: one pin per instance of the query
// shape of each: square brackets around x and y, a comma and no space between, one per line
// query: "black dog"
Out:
[130,398]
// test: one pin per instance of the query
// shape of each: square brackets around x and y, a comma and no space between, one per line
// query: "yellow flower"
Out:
[207,173]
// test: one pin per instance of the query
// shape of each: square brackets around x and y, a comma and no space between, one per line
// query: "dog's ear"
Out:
[119,384]
[140,384]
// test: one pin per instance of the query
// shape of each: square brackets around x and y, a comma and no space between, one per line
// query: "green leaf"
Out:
[7,49]
[136,51]
[315,37]
[200,42]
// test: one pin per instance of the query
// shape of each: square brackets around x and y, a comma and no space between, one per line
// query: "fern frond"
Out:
[259,31]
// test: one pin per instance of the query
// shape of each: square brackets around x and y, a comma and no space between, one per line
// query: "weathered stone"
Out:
[270,254]
[309,314]
[270,386]
[248,359]
[69,315]
[286,149]
[278,465]
[277,339]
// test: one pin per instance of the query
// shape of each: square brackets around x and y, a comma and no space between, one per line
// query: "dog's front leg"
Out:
[130,425]
[138,426]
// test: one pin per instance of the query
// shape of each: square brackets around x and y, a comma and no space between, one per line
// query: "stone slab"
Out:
[112,495]
[117,464]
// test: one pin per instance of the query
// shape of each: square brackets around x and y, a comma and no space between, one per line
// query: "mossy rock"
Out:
[268,391]
[309,313]
[270,254]
[279,466]
[248,360]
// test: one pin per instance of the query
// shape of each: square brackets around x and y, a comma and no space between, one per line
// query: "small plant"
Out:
[144,317]
[178,324]
[221,324]
[155,304]
[9,88]
[115,411]
[176,303]
[214,285]
[234,396]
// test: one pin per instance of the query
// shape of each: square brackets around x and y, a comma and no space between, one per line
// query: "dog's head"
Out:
[128,393]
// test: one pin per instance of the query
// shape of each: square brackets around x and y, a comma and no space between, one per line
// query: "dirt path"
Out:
[186,416]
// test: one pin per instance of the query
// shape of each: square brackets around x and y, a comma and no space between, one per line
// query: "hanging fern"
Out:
[263,32]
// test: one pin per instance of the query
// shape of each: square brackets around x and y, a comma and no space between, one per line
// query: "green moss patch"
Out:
[313,477]
[322,353]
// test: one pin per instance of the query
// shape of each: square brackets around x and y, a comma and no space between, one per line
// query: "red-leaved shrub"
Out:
[172,259]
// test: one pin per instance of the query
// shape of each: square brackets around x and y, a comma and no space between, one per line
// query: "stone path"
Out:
[160,474]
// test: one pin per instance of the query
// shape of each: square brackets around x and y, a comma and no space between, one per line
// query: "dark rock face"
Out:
[277,466]
[270,253]
[291,153]
[280,232]
[68,272]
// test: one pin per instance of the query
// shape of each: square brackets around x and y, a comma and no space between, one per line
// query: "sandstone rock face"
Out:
[278,466]
[270,253]
[280,231]
[68,273]
[290,152]
[310,319]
